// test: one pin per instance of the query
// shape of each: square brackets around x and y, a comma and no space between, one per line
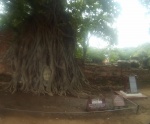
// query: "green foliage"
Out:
[79,52]
[142,53]
[17,11]
[94,17]
[95,55]
[138,56]
[143,50]
[14,12]
[116,54]
[125,53]
[113,55]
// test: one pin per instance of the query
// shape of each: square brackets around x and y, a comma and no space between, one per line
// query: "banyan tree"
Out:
[42,53]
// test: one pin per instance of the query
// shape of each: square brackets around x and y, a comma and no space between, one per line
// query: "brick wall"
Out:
[6,37]
[113,75]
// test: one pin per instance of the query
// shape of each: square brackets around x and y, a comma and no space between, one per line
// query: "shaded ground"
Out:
[64,104]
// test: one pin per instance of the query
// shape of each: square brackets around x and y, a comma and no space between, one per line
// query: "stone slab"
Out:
[129,96]
[118,101]
[133,84]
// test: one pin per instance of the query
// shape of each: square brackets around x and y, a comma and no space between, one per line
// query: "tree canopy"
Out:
[95,17]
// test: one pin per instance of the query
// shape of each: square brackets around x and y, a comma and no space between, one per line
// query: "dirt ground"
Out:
[21,108]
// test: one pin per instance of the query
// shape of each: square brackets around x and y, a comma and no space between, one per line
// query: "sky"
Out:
[132,25]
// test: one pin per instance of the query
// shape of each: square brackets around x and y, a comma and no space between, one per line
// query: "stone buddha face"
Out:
[46,73]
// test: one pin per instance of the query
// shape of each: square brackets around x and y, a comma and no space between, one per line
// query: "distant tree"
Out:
[94,17]
[142,52]
[116,54]
[95,55]
[126,53]
[113,54]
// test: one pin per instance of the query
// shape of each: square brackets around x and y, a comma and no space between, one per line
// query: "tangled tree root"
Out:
[43,58]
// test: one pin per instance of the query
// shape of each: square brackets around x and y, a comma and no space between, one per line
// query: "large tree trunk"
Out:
[43,57]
